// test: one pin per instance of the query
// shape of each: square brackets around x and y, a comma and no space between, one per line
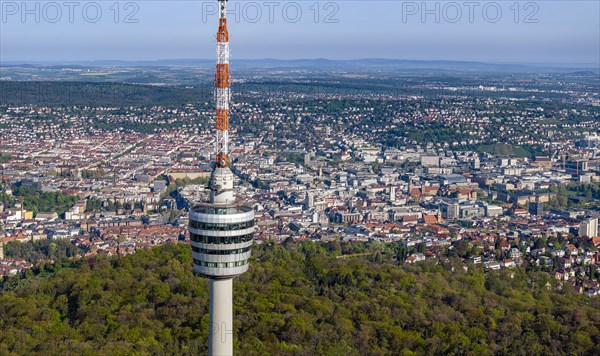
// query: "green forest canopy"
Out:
[296,299]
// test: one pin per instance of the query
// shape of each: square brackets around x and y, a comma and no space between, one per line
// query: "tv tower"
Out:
[221,230]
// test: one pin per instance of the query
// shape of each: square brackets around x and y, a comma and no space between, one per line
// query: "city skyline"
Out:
[399,185]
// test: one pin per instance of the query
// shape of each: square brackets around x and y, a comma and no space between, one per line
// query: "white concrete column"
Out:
[220,328]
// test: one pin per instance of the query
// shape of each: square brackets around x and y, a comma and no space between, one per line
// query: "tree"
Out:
[295,299]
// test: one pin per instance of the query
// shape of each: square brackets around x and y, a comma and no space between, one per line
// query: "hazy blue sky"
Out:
[540,31]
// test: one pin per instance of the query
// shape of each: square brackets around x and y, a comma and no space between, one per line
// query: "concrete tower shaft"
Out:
[221,229]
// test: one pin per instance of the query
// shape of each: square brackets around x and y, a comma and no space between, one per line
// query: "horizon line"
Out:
[528,63]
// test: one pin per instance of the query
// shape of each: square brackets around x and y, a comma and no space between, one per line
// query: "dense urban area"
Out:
[498,176]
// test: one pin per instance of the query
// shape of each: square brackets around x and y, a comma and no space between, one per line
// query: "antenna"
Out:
[222,91]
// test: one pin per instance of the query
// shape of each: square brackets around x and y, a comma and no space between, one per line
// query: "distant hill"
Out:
[101,93]
[375,64]
[295,300]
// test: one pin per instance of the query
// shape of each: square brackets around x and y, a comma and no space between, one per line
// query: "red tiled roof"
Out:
[430,219]
[415,191]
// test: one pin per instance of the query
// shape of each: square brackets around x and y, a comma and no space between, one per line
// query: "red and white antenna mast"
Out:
[222,91]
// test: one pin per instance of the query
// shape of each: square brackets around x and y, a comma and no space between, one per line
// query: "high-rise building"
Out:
[450,211]
[536,208]
[307,158]
[310,200]
[589,227]
[221,229]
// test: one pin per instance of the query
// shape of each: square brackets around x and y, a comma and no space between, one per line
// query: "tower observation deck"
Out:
[221,229]
[221,239]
